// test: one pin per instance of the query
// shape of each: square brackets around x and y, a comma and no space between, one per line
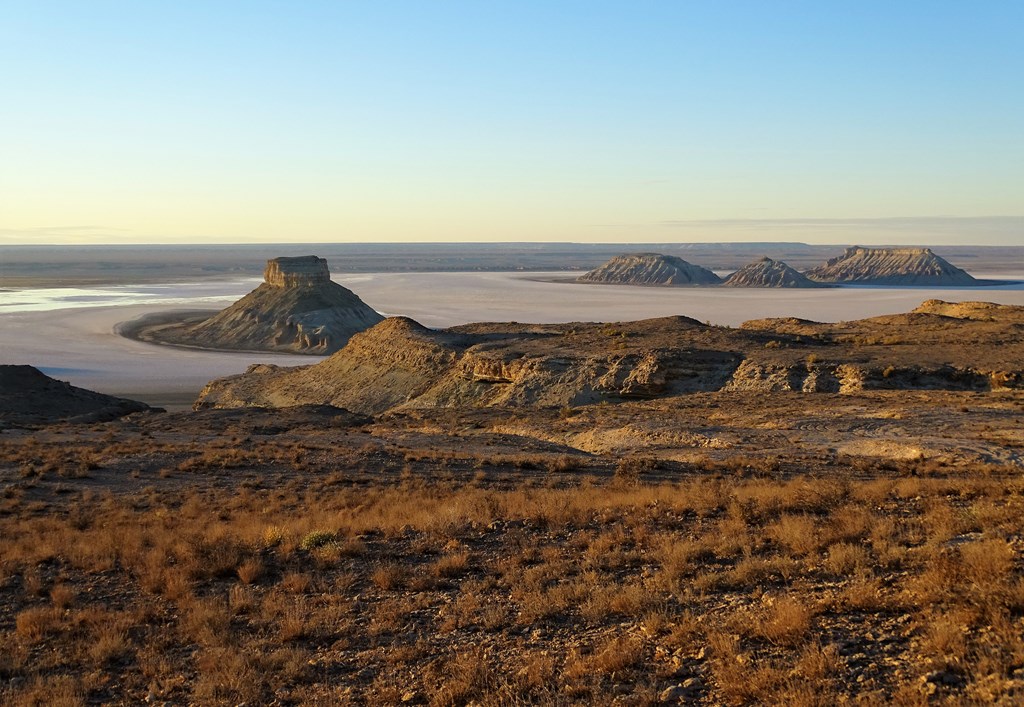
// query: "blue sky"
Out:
[475,121]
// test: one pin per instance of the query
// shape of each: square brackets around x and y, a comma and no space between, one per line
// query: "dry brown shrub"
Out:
[617,654]
[797,533]
[941,521]
[34,623]
[293,625]
[865,593]
[817,662]
[631,600]
[228,676]
[944,640]
[852,523]
[50,691]
[738,680]
[785,622]
[449,566]
[251,570]
[296,582]
[564,464]
[62,596]
[207,621]
[987,561]
[844,559]
[389,576]
[683,631]
[752,571]
[537,671]
[110,645]
[467,675]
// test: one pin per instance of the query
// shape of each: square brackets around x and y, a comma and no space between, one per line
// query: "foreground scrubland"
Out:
[146,562]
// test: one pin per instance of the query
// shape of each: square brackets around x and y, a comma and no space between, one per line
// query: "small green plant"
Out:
[317,538]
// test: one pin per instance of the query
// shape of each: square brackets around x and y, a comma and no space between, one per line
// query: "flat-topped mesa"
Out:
[294,272]
[890,266]
[298,309]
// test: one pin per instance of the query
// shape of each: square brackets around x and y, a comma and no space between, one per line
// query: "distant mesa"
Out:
[297,309]
[29,397]
[891,266]
[652,269]
[769,273]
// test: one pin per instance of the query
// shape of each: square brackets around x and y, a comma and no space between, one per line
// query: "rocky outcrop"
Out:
[298,309]
[29,397]
[982,311]
[650,269]
[769,273]
[296,272]
[401,364]
[891,266]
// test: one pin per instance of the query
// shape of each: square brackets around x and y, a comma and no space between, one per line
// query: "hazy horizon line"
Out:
[837,231]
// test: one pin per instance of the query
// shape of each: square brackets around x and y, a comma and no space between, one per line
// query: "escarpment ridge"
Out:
[401,364]
[297,309]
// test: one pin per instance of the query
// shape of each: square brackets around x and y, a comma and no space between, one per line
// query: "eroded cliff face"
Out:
[650,269]
[769,273]
[301,271]
[890,266]
[401,364]
[298,309]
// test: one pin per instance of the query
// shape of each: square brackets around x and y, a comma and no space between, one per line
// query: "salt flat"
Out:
[71,336]
[446,299]
[80,346]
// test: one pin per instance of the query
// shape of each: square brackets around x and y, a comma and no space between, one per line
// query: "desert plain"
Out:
[845,527]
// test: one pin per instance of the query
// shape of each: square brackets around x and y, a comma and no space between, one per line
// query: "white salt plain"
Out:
[69,332]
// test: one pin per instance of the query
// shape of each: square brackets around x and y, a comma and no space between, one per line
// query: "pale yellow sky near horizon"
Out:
[190,122]
[1007,230]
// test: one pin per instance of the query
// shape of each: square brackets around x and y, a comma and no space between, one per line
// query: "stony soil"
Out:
[718,548]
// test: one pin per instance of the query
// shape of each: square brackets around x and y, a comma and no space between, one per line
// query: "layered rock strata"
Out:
[650,269]
[769,273]
[891,266]
[401,364]
[297,309]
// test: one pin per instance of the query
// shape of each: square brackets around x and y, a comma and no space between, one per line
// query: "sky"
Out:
[676,121]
